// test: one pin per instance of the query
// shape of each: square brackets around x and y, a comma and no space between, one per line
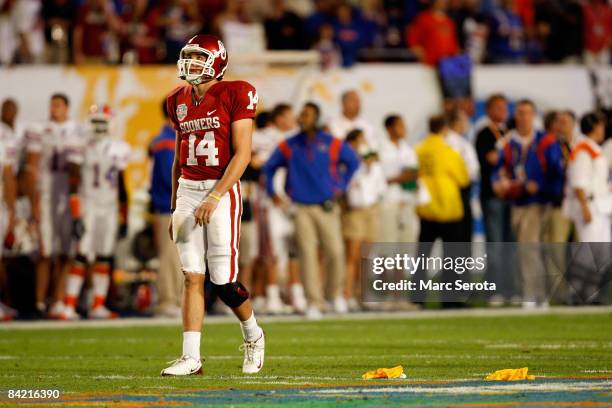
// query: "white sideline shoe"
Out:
[298,300]
[340,305]
[102,312]
[183,366]
[299,304]
[274,305]
[353,305]
[253,355]
[531,305]
[313,313]
[259,304]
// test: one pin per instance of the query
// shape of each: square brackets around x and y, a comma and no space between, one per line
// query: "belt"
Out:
[326,205]
[201,185]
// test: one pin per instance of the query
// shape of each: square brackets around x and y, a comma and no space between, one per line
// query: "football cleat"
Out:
[56,311]
[5,317]
[183,366]
[102,312]
[253,355]
[69,314]
[7,313]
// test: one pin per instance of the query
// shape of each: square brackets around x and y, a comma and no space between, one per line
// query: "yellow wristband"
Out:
[215,195]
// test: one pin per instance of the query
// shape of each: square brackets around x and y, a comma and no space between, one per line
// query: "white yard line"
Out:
[529,386]
[423,314]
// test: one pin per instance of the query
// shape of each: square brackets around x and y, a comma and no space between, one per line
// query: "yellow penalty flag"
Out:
[395,372]
[510,374]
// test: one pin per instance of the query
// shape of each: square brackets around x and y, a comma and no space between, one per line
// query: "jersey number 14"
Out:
[206,147]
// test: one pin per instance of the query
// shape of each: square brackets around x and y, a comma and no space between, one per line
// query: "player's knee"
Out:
[232,294]
[193,281]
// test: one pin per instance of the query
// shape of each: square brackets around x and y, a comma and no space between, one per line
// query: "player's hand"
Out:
[280,202]
[501,186]
[78,228]
[532,187]
[123,231]
[205,211]
[586,214]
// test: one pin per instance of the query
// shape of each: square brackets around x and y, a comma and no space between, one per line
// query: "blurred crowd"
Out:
[342,31]
[543,178]
[318,192]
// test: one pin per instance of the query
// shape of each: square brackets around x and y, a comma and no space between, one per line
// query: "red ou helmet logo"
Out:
[203,58]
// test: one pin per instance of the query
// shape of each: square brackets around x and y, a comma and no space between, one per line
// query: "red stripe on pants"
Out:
[233,236]
[239,221]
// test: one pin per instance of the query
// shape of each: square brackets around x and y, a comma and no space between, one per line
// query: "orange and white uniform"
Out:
[588,170]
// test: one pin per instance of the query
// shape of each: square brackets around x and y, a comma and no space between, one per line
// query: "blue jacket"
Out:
[513,161]
[507,38]
[552,162]
[161,150]
[316,169]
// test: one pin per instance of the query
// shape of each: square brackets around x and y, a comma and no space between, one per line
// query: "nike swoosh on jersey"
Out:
[211,112]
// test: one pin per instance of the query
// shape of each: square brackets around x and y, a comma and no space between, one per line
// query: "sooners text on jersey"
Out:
[204,128]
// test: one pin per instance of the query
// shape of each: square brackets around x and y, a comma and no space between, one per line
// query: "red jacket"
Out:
[597,26]
[435,33]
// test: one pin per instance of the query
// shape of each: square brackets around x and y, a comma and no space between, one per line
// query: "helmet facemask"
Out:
[100,127]
[195,71]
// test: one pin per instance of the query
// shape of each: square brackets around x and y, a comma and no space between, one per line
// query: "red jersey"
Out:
[204,127]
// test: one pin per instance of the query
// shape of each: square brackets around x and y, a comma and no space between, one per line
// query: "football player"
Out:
[213,119]
[48,147]
[98,203]
[8,195]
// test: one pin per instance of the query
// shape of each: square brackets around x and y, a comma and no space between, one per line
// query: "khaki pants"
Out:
[360,224]
[527,222]
[556,233]
[170,276]
[314,226]
[398,223]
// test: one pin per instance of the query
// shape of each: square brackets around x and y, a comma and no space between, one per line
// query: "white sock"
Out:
[191,344]
[250,329]
[272,292]
[297,291]
[73,285]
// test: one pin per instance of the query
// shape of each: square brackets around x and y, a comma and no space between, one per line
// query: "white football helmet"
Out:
[100,118]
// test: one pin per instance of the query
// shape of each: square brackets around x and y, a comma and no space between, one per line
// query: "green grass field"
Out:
[120,366]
